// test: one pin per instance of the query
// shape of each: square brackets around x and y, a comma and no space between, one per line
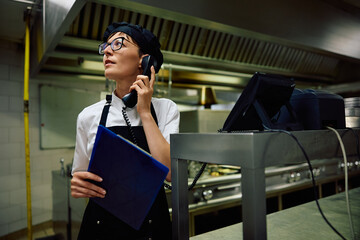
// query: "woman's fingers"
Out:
[152,80]
[143,80]
[87,175]
[82,187]
[78,192]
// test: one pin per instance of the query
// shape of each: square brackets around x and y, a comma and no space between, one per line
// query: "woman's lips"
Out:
[108,62]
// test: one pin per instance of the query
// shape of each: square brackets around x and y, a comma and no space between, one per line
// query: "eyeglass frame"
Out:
[104,45]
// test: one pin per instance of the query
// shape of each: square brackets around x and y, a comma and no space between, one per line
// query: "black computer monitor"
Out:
[260,101]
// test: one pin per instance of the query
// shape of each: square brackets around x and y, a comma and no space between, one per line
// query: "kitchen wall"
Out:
[13,208]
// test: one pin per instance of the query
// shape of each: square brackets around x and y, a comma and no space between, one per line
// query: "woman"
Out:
[149,123]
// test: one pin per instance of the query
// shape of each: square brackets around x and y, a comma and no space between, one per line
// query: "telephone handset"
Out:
[148,61]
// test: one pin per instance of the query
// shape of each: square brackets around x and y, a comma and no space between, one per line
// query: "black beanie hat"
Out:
[146,40]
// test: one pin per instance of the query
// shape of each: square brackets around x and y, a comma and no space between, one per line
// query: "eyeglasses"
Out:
[115,45]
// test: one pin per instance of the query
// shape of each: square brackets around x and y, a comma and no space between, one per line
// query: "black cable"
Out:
[126,118]
[312,176]
[197,176]
[192,185]
[167,186]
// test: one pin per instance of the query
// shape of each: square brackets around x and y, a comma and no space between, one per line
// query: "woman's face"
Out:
[124,63]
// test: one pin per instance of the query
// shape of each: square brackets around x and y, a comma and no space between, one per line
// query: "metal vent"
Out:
[192,40]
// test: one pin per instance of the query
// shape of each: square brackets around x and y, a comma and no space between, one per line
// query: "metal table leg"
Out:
[180,205]
[253,203]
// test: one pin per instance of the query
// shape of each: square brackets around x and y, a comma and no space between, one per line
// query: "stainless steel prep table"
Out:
[252,151]
[304,221]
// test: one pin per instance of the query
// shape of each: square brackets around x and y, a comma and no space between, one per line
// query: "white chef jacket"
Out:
[88,121]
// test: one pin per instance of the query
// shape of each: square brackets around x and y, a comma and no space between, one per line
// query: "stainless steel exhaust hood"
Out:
[222,45]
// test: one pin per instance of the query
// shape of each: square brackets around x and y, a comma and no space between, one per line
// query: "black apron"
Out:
[99,224]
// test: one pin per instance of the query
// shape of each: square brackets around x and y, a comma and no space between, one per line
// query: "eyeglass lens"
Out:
[115,45]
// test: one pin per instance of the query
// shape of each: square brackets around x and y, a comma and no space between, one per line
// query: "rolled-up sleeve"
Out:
[172,121]
[81,158]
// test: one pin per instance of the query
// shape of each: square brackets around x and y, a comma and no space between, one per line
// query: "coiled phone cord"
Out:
[126,118]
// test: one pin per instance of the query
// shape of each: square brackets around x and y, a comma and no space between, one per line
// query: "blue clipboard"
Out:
[131,177]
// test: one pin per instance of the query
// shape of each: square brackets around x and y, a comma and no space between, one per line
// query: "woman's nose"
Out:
[108,50]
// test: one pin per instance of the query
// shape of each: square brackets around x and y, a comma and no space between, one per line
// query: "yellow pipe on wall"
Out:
[26,127]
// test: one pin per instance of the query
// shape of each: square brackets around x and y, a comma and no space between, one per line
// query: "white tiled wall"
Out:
[13,210]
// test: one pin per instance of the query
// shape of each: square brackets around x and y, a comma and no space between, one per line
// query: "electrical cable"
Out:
[346,180]
[356,138]
[312,176]
[198,174]
[196,178]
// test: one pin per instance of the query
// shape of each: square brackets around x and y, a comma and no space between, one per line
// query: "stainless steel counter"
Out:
[253,151]
[304,221]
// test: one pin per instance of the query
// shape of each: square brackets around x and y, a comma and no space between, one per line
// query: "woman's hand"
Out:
[145,88]
[158,146]
[81,188]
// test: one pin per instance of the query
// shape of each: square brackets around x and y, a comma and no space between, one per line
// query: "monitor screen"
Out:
[260,101]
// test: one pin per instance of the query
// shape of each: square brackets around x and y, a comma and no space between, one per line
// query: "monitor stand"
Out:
[267,122]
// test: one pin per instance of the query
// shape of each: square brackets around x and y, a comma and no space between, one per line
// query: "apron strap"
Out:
[105,111]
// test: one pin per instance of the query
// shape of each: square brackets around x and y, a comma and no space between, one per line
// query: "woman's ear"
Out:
[141,59]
